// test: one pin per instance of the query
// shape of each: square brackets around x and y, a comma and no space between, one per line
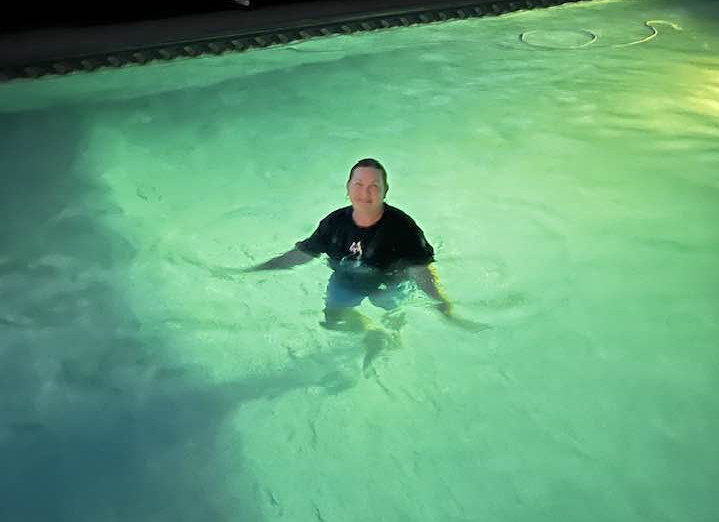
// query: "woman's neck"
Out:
[362,219]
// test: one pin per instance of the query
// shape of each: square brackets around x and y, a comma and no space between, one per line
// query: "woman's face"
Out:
[366,189]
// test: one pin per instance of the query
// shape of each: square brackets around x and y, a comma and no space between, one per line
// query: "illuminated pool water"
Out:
[569,183]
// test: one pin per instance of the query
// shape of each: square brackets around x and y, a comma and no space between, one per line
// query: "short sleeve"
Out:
[417,249]
[316,244]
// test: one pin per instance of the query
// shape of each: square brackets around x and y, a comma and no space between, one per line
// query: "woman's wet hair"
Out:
[370,162]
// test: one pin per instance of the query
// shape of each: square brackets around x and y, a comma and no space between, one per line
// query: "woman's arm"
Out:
[289,259]
[428,281]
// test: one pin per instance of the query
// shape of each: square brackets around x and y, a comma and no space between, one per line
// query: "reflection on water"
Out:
[571,195]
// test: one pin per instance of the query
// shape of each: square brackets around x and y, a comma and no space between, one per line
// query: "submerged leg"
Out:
[345,319]
[391,298]
[340,303]
[351,320]
[341,314]
[394,319]
[377,341]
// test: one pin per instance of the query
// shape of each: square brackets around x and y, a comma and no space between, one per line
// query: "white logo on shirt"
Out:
[356,248]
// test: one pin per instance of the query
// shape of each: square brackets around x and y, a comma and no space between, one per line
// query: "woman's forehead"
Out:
[367,174]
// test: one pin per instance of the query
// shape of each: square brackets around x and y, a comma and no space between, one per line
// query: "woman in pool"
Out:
[375,251]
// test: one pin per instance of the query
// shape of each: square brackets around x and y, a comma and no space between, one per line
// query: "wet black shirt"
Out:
[387,247]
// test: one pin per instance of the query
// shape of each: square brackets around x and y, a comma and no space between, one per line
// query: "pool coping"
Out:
[45,53]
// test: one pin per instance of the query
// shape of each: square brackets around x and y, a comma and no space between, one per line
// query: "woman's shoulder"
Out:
[338,215]
[341,212]
[399,216]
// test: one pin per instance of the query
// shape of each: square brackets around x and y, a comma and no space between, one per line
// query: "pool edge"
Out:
[251,37]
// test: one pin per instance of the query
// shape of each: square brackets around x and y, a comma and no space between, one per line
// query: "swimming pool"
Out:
[567,181]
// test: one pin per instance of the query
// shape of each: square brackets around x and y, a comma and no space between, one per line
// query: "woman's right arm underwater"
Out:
[284,261]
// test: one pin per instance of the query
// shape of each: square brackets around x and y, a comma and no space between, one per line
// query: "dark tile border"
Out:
[257,38]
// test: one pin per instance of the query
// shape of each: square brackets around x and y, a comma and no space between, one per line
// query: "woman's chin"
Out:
[366,207]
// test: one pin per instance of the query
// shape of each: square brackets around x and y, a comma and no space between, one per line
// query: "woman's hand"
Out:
[447,310]
[468,324]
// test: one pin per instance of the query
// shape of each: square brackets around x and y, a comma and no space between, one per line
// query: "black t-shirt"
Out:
[387,247]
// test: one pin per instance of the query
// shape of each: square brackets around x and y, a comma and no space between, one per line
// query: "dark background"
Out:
[17,16]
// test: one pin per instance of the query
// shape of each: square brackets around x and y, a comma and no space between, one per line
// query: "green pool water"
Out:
[569,183]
